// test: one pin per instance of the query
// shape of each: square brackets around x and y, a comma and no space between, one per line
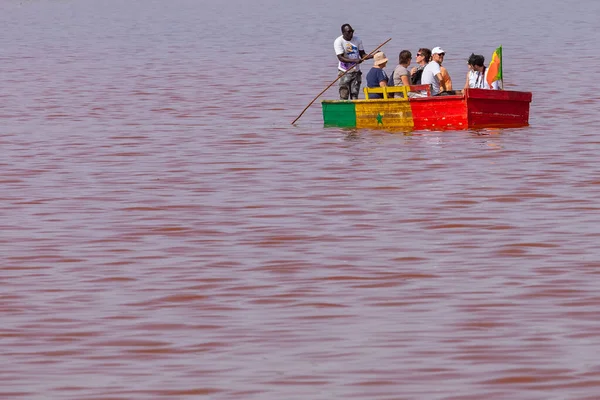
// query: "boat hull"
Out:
[475,108]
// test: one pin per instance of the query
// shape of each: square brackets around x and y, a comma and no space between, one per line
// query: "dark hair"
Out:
[346,25]
[426,53]
[404,57]
[476,60]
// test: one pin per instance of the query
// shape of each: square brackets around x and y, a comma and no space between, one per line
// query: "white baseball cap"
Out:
[437,50]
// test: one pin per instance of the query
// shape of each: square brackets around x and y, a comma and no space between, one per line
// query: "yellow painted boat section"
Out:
[392,114]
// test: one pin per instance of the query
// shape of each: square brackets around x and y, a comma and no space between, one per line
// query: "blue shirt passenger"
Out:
[377,76]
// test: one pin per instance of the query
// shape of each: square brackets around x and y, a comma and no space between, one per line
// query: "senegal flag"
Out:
[495,69]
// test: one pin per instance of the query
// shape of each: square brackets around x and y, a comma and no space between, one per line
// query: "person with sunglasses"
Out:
[423,57]
[432,74]
[350,53]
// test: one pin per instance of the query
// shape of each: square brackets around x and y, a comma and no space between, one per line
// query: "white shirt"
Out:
[429,77]
[478,80]
[350,49]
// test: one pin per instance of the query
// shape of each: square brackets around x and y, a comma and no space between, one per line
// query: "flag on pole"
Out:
[495,69]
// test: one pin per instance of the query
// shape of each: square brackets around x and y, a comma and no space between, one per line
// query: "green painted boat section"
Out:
[339,113]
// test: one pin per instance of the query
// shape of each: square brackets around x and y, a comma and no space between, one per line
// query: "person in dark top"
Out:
[423,58]
[377,76]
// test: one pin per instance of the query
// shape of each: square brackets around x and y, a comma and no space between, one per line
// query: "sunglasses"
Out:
[441,54]
[419,55]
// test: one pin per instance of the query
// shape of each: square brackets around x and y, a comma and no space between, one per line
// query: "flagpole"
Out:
[501,67]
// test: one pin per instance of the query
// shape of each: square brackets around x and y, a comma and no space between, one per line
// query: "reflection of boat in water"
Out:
[473,108]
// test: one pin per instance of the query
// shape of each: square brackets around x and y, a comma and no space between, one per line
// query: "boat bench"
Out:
[397,89]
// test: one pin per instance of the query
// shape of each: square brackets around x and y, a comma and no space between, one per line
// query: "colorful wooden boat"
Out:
[471,108]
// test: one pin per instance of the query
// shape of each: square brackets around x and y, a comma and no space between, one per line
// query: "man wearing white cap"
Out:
[432,74]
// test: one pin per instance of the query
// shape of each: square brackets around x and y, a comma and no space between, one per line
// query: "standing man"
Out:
[350,53]
[432,74]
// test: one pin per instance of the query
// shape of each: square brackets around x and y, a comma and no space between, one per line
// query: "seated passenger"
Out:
[423,57]
[377,76]
[446,82]
[477,74]
[431,73]
[401,76]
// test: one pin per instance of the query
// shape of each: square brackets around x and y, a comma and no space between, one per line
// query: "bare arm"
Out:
[405,80]
[467,82]
[448,83]
[346,59]
[364,55]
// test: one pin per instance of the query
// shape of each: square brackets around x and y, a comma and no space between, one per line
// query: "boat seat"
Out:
[396,89]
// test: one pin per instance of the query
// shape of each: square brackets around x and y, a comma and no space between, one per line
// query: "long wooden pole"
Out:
[331,84]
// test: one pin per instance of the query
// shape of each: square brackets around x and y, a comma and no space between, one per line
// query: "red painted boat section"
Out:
[439,112]
[476,108]
[497,108]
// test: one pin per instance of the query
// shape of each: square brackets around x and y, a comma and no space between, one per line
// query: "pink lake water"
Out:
[166,233]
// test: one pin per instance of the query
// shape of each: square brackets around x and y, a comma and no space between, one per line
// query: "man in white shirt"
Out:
[432,74]
[350,53]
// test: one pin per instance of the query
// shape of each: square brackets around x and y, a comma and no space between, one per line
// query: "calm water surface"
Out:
[166,233]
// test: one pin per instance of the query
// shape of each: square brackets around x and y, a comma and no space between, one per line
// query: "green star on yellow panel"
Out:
[379,119]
